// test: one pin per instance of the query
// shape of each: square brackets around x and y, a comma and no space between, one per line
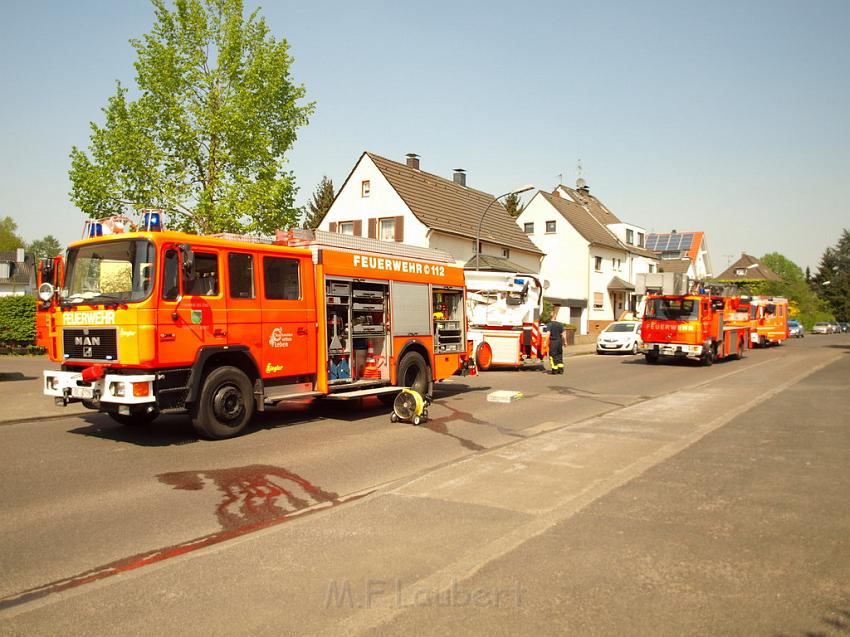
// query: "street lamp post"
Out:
[516,191]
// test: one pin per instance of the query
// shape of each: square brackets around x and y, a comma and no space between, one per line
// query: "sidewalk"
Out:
[20,390]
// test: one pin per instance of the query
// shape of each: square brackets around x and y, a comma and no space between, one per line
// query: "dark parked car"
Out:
[845,326]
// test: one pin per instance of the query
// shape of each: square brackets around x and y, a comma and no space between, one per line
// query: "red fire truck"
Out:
[159,322]
[694,326]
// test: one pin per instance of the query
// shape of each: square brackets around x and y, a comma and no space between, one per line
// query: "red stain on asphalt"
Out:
[253,493]
[255,497]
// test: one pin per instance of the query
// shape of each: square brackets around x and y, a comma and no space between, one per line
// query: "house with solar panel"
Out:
[592,256]
[682,252]
[390,201]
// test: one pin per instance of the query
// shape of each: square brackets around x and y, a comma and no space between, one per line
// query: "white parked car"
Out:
[620,336]
[822,328]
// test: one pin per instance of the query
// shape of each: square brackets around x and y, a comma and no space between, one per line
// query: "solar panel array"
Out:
[677,242]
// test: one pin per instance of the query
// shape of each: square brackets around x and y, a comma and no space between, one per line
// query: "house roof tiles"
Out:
[754,270]
[443,205]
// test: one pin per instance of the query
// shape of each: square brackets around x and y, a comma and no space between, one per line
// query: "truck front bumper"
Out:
[673,349]
[117,389]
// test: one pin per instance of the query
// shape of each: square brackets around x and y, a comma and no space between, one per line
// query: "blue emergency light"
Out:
[92,229]
[151,221]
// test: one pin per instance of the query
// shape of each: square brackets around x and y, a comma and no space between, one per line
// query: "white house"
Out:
[682,252]
[386,200]
[17,273]
[592,256]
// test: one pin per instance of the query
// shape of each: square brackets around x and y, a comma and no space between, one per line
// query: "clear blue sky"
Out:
[725,116]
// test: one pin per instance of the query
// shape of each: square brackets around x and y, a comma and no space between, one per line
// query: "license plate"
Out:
[82,392]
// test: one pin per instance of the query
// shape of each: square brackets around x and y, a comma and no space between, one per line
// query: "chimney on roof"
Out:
[459,177]
[412,161]
[19,255]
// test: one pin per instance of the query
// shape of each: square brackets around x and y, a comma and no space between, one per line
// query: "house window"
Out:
[616,263]
[365,188]
[740,271]
[345,227]
[506,253]
[528,228]
[630,237]
[597,264]
[651,268]
[598,300]
[641,239]
[386,230]
[550,227]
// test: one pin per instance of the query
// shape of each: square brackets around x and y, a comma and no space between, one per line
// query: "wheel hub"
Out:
[228,404]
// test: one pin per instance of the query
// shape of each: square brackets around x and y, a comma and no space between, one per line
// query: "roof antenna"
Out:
[580,182]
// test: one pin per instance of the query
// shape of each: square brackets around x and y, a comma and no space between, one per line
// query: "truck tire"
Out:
[413,372]
[225,405]
[142,419]
[651,358]
[483,357]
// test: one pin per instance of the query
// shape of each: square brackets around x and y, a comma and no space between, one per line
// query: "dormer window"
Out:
[740,271]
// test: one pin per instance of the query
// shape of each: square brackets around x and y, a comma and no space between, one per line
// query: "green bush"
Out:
[17,320]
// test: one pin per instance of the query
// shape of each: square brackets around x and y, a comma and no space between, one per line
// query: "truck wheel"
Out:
[413,373]
[651,358]
[483,357]
[142,419]
[225,406]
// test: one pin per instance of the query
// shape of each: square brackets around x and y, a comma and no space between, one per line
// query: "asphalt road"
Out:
[634,468]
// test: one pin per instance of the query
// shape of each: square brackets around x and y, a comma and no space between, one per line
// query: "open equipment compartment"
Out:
[357,330]
[449,328]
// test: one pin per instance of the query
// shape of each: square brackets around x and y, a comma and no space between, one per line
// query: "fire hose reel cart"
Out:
[410,406]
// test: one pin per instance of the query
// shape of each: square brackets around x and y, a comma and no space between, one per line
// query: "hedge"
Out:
[17,320]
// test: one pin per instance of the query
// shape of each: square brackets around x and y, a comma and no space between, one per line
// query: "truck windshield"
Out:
[672,309]
[109,272]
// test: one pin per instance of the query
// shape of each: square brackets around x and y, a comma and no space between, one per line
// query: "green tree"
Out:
[9,239]
[323,197]
[804,303]
[49,246]
[832,280]
[207,136]
[513,204]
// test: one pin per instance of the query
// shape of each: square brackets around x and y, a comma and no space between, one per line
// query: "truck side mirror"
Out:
[45,267]
[187,261]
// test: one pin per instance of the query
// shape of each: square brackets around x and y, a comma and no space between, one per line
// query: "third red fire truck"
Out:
[702,327]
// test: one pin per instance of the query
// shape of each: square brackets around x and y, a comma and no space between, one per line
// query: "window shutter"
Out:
[399,229]
[332,226]
[358,228]
[373,228]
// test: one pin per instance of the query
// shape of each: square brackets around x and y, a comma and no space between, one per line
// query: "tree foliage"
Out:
[9,239]
[207,136]
[803,302]
[323,197]
[49,246]
[832,280]
[513,204]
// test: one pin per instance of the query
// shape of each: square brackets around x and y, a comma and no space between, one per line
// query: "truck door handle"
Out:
[219,332]
[166,336]
[302,331]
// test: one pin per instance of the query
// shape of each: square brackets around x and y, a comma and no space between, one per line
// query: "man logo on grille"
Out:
[87,352]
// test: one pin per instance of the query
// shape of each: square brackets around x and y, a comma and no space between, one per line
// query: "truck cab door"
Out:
[288,332]
[191,312]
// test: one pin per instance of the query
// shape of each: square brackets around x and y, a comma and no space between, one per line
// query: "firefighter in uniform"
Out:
[556,345]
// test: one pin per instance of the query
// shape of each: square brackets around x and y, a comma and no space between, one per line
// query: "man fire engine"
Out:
[158,322]
[504,319]
[695,326]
